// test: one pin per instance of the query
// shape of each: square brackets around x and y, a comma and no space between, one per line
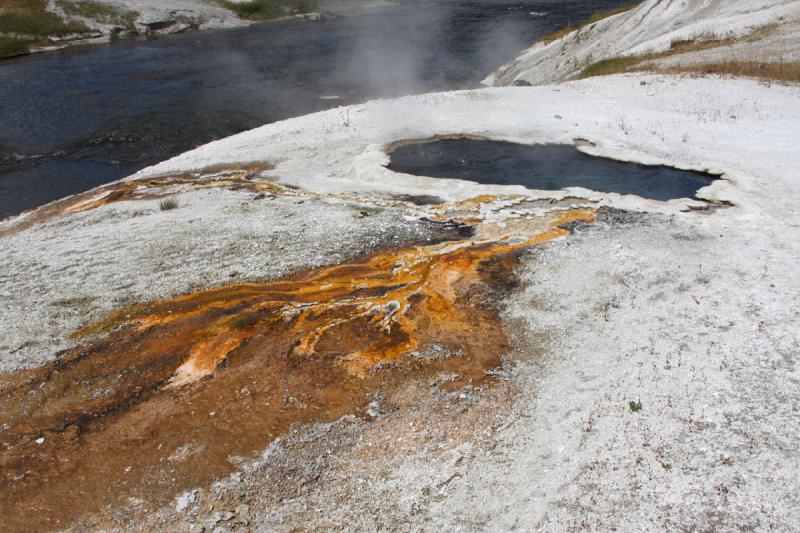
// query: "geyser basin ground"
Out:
[156,398]
[692,314]
[543,167]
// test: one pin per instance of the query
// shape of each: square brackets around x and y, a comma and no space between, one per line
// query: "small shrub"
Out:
[168,204]
[635,406]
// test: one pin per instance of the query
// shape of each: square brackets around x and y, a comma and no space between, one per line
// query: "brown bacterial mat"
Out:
[163,396]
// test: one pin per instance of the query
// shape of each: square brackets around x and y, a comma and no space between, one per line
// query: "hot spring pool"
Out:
[543,167]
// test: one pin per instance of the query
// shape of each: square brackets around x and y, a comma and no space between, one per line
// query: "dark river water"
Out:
[80,117]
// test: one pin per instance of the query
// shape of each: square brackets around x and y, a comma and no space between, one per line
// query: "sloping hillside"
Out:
[662,34]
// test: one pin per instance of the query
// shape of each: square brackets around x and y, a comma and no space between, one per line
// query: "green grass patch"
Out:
[38,24]
[10,47]
[168,204]
[614,65]
[269,9]
[24,23]
[97,11]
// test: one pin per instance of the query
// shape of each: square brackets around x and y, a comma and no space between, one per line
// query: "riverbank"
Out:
[35,26]
[31,26]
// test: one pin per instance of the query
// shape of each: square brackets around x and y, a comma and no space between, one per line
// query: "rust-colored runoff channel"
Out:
[178,388]
[236,177]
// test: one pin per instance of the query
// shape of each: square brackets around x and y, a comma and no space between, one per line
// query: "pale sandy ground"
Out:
[206,14]
[653,26]
[132,251]
[175,15]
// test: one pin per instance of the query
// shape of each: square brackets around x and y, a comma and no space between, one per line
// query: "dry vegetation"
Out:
[775,71]
[788,72]
[595,17]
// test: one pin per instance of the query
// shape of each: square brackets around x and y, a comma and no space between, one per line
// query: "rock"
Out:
[184,500]
[218,517]
[154,25]
[374,409]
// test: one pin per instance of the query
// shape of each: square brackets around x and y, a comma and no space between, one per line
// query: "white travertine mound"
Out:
[692,315]
[653,26]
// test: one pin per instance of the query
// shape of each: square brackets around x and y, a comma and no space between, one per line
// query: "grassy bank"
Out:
[10,47]
[24,23]
[787,72]
[34,20]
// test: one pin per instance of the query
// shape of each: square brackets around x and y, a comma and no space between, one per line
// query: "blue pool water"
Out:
[543,167]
